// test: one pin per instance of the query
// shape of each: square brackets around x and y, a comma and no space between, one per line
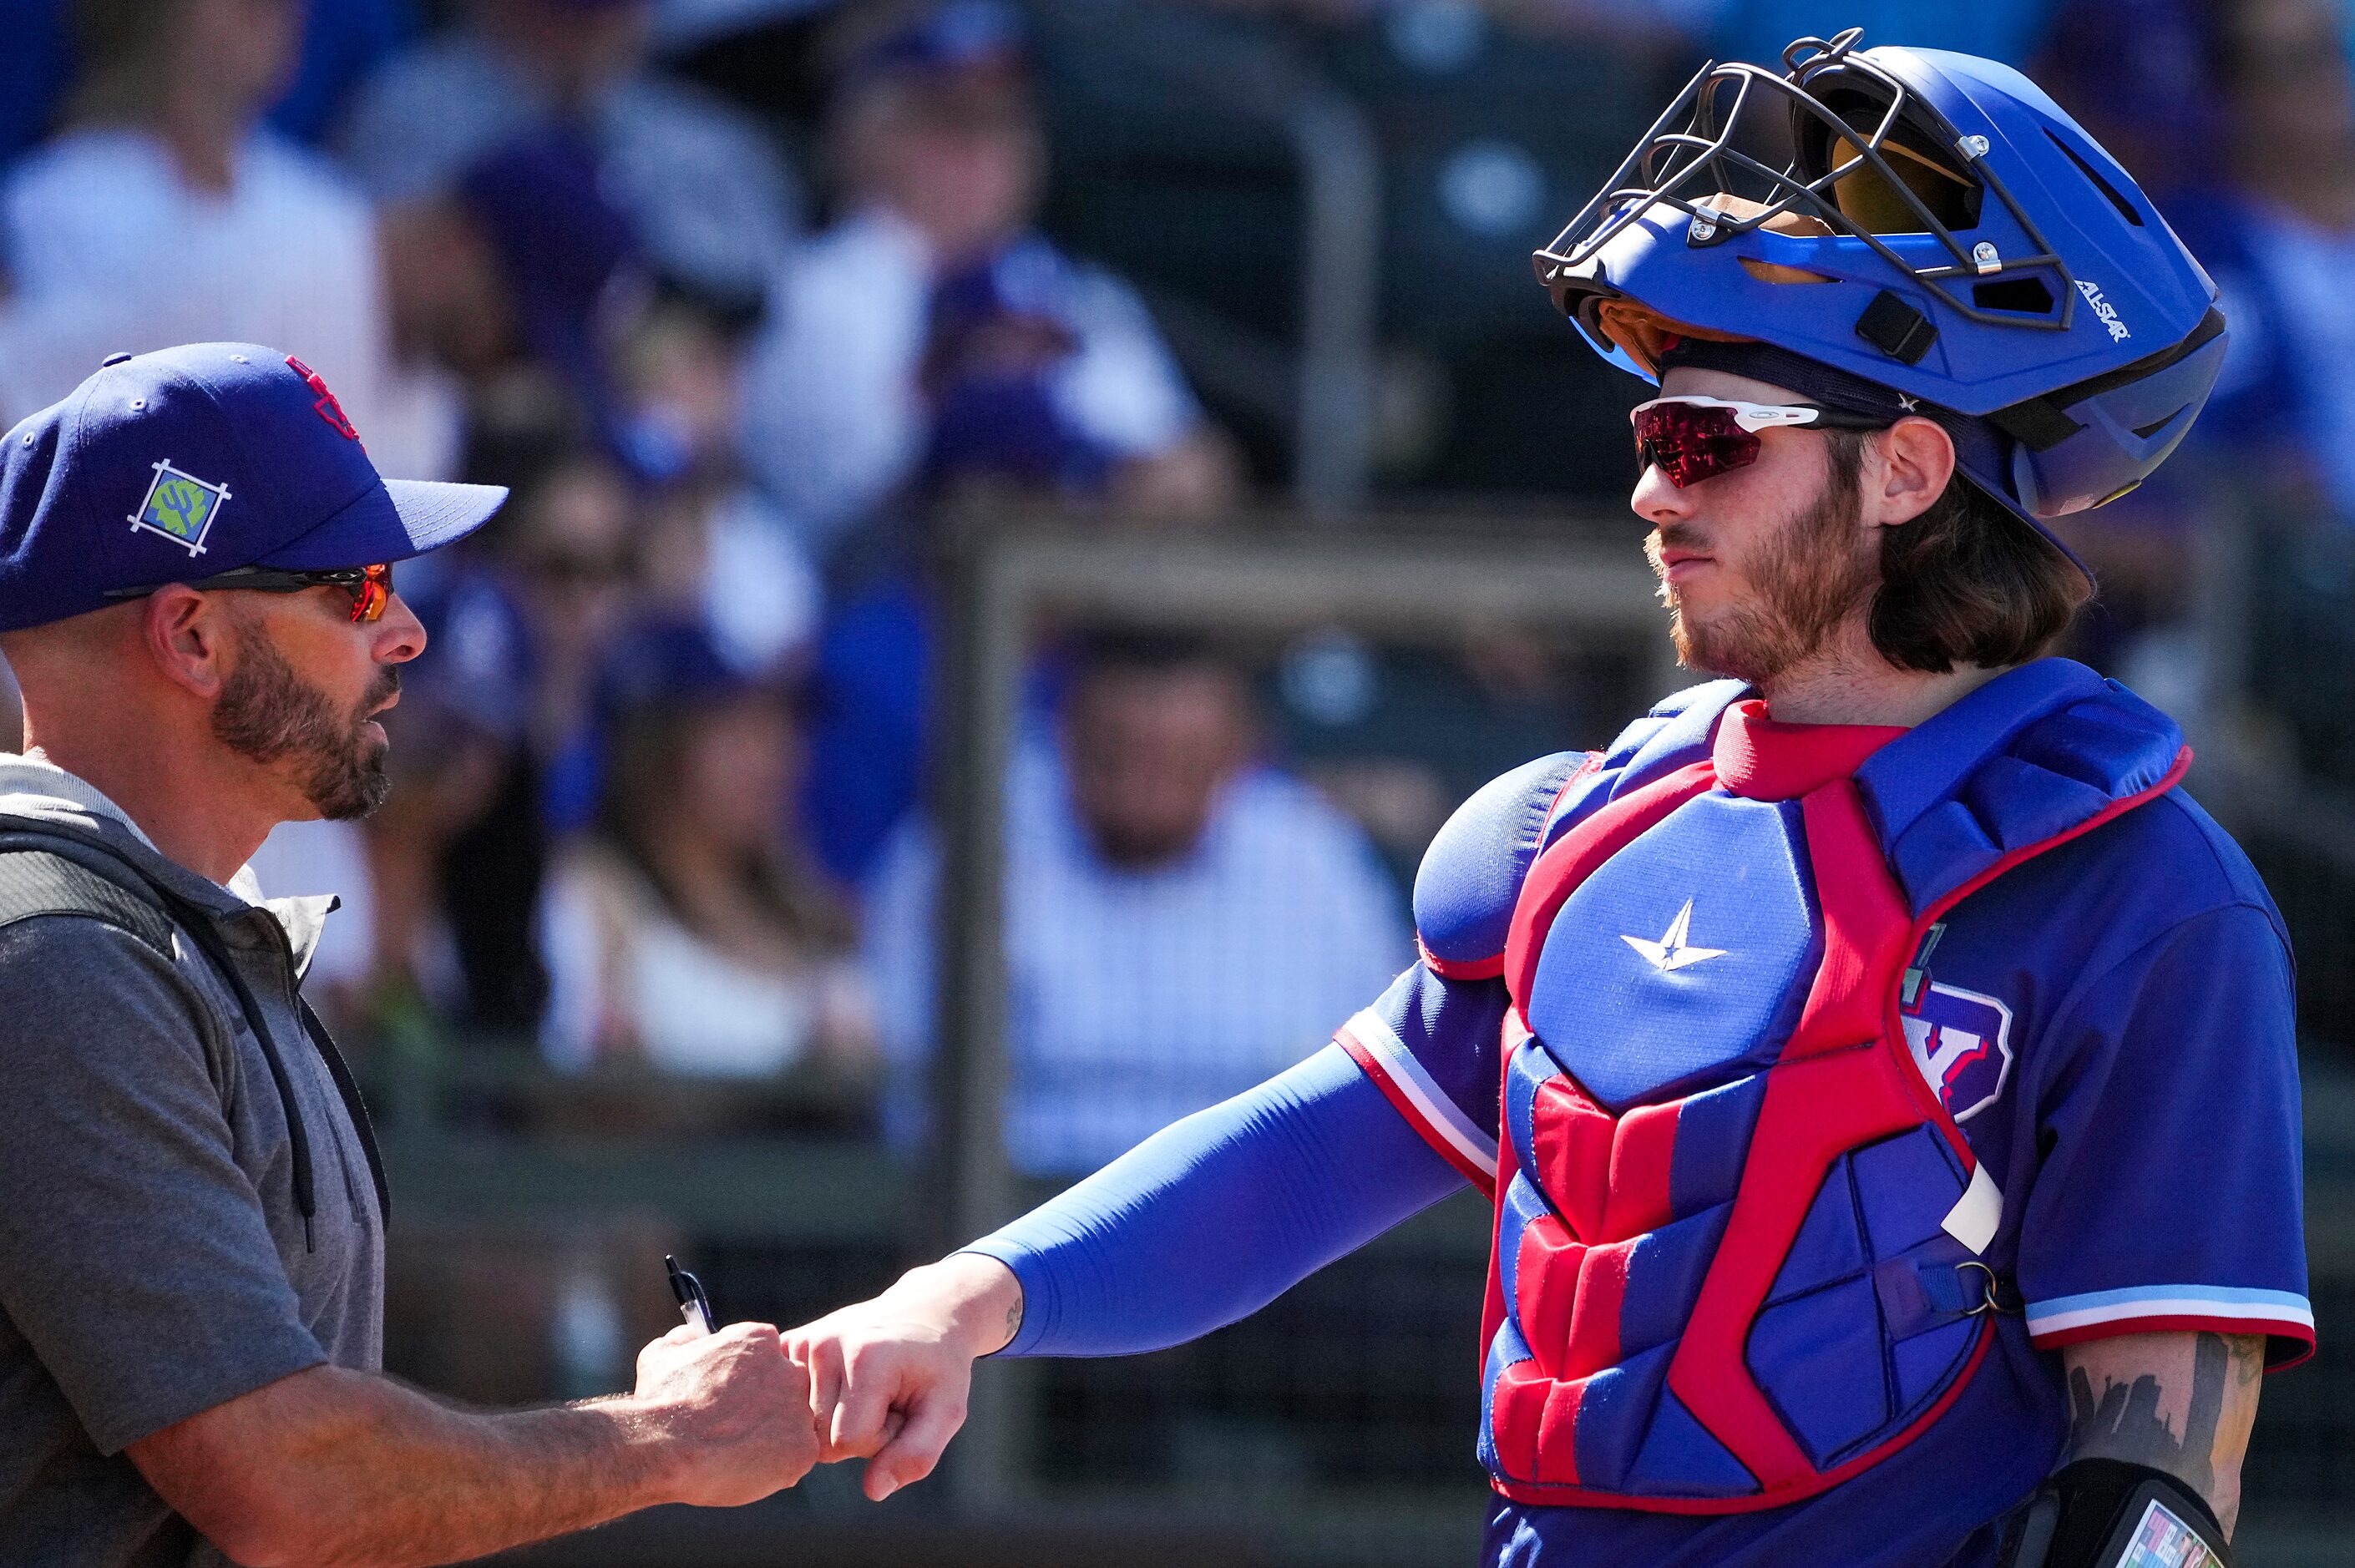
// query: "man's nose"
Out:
[400,635]
[1656,501]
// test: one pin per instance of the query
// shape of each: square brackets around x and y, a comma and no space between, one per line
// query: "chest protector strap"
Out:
[1626,1363]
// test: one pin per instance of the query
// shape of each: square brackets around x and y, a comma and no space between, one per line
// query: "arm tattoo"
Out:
[1013,1321]
[2124,1422]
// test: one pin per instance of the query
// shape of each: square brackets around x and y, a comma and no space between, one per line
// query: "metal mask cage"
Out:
[1685,168]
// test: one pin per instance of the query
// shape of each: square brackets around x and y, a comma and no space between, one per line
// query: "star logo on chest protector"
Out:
[1670,952]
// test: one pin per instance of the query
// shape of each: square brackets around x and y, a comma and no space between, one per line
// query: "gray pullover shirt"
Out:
[152,1261]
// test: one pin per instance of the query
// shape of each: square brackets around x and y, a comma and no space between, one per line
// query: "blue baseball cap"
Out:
[191,461]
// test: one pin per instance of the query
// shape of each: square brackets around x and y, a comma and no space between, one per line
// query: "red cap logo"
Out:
[328,408]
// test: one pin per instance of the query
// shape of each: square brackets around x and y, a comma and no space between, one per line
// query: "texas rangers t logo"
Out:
[1962,1042]
[179,506]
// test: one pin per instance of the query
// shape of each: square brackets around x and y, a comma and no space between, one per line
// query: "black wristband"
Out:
[2095,1512]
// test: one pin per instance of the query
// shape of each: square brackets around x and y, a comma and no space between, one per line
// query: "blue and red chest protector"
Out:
[1739,1237]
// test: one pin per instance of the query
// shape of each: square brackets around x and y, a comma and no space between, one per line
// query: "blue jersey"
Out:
[2110,1024]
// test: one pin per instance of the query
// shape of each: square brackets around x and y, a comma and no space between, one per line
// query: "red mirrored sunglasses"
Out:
[1692,438]
[370,586]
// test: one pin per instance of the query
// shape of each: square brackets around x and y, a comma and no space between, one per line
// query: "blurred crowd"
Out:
[747,298]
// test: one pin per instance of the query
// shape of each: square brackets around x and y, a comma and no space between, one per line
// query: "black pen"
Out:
[694,1303]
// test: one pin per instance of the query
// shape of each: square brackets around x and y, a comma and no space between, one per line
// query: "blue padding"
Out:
[2026,758]
[2116,742]
[1680,1460]
[1925,1361]
[1680,730]
[1818,1359]
[1525,1074]
[1830,1244]
[1522,1203]
[1664,1280]
[1471,873]
[1713,1141]
[1508,1349]
[1905,1185]
[2021,804]
[1615,1412]
[1921,767]
[1945,848]
[1631,1031]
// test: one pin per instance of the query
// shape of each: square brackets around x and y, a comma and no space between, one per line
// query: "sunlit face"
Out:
[1758,566]
[302,694]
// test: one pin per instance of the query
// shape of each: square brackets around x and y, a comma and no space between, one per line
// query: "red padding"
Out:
[1558,1435]
[1546,1268]
[1594,1316]
[1640,1158]
[1574,1138]
[1488,967]
[1516,1413]
[1758,757]
[1867,926]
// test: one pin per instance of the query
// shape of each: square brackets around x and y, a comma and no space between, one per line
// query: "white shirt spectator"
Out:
[1140,998]
[621,965]
[834,419]
[707,192]
[108,248]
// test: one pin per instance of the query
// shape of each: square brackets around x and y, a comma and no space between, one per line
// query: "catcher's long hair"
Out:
[1965,582]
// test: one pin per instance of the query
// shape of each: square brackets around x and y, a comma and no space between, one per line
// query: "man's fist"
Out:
[889,1378]
[734,1410]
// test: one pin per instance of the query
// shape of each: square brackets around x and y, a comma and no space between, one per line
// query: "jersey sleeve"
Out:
[2170,1199]
[1431,1045]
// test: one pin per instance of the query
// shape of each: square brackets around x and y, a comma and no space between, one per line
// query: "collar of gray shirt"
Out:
[31,785]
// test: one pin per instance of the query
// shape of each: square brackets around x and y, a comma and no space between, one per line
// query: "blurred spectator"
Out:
[717,547]
[342,40]
[684,931]
[1180,923]
[167,213]
[2281,243]
[705,188]
[932,335]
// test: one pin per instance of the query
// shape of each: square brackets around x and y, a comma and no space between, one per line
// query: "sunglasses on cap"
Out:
[370,586]
[1691,438]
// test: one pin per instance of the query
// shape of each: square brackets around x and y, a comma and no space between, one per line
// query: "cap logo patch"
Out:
[181,507]
[328,408]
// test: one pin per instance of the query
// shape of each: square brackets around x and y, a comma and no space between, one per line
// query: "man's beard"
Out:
[1808,578]
[267,715]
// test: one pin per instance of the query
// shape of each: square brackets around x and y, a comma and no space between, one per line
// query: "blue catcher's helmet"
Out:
[1928,222]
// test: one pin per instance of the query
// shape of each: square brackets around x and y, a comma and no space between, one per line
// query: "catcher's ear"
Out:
[1908,466]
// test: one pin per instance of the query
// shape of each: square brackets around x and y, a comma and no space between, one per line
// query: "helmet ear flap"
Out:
[2131,428]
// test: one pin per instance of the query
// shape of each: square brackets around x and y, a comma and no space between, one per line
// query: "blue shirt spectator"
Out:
[1180,923]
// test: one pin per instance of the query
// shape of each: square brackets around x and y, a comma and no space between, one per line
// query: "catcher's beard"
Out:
[267,713]
[1809,575]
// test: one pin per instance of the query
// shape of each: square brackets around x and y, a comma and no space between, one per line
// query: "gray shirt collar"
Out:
[33,786]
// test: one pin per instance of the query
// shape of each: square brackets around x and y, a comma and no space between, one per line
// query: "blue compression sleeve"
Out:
[1211,1219]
